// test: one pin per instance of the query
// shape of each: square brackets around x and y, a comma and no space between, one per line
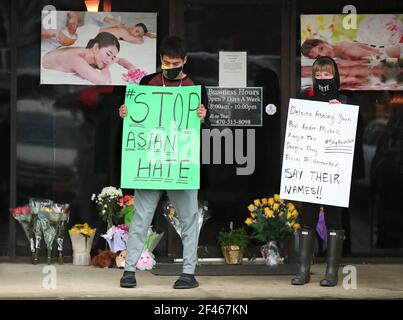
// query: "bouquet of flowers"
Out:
[172,216]
[116,237]
[81,236]
[82,229]
[51,223]
[61,229]
[108,205]
[127,210]
[152,240]
[272,219]
[27,221]
[36,206]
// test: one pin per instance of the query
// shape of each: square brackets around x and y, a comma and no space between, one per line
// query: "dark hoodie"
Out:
[328,89]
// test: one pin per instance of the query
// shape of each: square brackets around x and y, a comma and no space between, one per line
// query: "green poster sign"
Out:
[161,138]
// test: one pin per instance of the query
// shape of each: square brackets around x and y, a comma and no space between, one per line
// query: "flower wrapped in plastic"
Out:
[49,221]
[26,219]
[152,240]
[272,254]
[81,236]
[116,237]
[37,206]
[64,210]
[50,216]
[171,215]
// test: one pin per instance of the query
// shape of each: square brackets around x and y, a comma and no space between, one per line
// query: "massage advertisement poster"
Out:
[368,49]
[318,152]
[161,138]
[97,48]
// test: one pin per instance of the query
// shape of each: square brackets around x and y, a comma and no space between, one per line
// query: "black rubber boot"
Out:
[335,240]
[128,279]
[306,243]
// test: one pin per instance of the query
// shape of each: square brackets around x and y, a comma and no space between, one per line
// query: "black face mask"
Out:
[172,73]
[325,89]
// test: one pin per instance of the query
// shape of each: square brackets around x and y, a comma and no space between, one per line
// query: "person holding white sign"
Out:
[326,84]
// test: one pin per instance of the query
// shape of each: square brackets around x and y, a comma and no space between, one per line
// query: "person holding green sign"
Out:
[173,58]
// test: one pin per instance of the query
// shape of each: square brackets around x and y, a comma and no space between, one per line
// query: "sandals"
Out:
[186,281]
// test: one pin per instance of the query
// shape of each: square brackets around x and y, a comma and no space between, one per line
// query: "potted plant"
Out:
[233,243]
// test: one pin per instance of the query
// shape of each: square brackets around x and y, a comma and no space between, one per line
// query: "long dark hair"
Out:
[104,39]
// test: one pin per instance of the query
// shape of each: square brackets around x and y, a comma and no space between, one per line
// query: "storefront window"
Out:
[253,27]
[374,223]
[5,78]
[68,136]
[68,144]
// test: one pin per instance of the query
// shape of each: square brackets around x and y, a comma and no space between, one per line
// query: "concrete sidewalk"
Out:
[24,281]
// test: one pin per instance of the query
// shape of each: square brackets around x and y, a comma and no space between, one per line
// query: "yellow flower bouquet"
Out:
[272,219]
[81,236]
[83,229]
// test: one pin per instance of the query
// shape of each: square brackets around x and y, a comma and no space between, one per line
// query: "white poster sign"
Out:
[318,152]
[232,70]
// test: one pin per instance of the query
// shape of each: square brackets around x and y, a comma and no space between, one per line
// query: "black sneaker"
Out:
[128,280]
[186,281]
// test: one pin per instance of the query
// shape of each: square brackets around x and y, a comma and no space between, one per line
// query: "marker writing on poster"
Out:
[318,152]
[161,138]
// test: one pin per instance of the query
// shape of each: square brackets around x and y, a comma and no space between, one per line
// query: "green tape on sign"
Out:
[161,138]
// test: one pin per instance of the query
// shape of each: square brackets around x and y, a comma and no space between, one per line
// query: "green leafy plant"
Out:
[233,237]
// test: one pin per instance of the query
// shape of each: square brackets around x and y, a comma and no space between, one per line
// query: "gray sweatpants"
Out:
[146,201]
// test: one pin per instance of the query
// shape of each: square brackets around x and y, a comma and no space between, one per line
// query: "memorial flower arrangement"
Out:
[172,216]
[53,219]
[27,220]
[83,229]
[107,203]
[43,218]
[272,219]
[127,210]
[116,237]
[81,236]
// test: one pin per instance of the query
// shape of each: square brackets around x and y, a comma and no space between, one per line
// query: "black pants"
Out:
[310,215]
